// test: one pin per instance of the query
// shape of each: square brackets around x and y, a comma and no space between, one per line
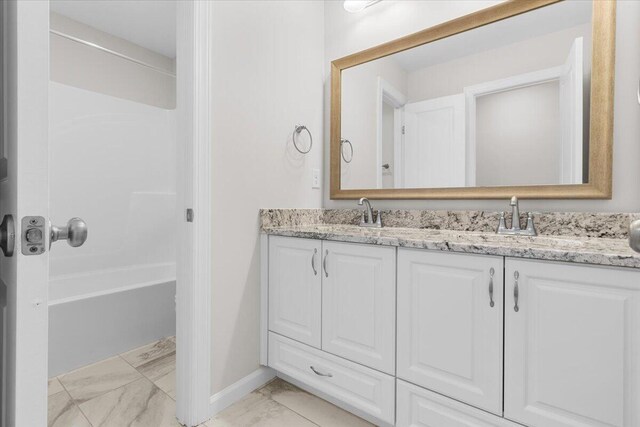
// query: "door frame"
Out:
[387,93]
[194,279]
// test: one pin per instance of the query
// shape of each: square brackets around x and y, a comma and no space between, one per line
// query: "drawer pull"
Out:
[315,371]
[313,262]
[491,273]
[516,292]
[324,263]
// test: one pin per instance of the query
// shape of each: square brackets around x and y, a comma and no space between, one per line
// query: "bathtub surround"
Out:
[570,224]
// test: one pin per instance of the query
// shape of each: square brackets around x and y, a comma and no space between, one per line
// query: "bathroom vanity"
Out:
[426,327]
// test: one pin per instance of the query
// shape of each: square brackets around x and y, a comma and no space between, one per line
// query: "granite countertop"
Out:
[588,250]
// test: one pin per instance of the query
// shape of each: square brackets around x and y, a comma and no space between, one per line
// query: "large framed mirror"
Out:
[516,99]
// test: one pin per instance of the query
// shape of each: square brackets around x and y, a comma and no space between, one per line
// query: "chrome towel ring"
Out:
[297,131]
[342,144]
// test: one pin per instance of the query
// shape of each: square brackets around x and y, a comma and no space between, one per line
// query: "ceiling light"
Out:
[354,6]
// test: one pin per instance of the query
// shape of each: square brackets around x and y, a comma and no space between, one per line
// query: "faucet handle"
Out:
[514,201]
[501,224]
[379,217]
[531,228]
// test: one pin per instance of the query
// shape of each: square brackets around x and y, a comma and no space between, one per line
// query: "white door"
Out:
[359,303]
[24,192]
[571,89]
[450,325]
[572,348]
[295,288]
[434,144]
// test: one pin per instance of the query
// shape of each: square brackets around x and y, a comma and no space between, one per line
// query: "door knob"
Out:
[75,233]
[7,235]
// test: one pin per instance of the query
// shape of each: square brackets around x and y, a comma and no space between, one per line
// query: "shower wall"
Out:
[112,163]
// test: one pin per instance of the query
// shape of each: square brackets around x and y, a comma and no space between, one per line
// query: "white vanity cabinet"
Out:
[295,288]
[450,325]
[572,347]
[422,338]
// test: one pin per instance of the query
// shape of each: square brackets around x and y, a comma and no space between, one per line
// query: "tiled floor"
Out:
[280,404]
[137,389]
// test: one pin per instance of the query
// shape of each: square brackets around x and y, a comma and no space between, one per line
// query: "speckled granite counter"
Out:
[579,249]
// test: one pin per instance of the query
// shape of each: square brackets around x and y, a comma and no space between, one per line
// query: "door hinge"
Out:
[189,215]
[403,129]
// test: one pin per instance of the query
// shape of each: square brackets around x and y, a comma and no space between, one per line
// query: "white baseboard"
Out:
[236,391]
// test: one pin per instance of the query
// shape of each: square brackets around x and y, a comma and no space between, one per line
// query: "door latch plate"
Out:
[33,235]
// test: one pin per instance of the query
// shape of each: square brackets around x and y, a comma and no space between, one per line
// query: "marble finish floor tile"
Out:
[54,386]
[159,367]
[167,383]
[311,407]
[63,412]
[138,404]
[259,410]
[149,352]
[115,393]
[94,380]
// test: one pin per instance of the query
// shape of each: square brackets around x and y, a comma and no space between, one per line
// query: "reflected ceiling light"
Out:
[354,6]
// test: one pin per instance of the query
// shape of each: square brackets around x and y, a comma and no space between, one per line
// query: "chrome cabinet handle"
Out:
[491,273]
[324,263]
[516,292]
[315,371]
[313,262]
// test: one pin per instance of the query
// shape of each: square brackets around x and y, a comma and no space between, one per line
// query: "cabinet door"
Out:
[295,288]
[572,348]
[449,332]
[359,303]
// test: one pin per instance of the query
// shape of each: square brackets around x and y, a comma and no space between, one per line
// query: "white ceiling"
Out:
[148,23]
[546,20]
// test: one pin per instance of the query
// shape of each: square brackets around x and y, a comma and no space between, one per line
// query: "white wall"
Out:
[347,33]
[86,67]
[267,77]
[518,136]
[534,54]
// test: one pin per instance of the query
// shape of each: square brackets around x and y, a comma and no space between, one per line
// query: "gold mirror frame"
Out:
[600,124]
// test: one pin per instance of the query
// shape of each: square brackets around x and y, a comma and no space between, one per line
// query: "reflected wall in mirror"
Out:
[500,106]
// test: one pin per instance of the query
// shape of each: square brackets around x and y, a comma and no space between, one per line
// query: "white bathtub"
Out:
[64,289]
[93,316]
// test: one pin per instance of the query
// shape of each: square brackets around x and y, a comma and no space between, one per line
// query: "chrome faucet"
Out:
[515,222]
[367,215]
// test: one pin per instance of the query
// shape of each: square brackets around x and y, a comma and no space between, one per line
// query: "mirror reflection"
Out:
[500,105]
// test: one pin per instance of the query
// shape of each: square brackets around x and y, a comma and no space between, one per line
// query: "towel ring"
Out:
[342,143]
[297,131]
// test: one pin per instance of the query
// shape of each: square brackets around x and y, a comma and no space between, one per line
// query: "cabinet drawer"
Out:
[418,407]
[365,389]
